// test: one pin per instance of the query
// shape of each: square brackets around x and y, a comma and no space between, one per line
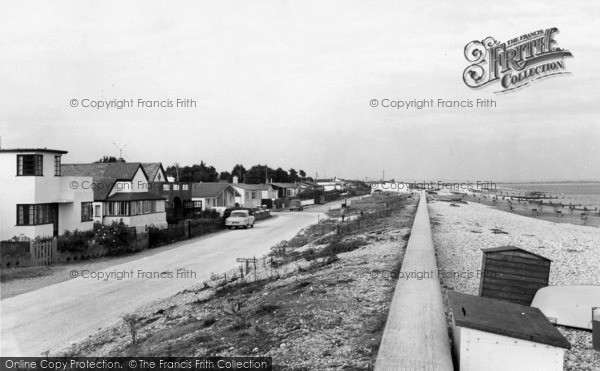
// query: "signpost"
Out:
[247,262]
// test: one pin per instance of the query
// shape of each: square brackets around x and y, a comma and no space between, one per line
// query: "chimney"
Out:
[235,179]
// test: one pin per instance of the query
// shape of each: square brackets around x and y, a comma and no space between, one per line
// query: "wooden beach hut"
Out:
[513,274]
[494,335]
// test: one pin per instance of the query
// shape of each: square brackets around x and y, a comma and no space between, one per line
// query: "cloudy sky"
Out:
[290,84]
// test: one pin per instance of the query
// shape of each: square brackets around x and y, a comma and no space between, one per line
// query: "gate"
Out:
[43,252]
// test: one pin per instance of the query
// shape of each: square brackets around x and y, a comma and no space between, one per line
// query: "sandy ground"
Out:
[461,232]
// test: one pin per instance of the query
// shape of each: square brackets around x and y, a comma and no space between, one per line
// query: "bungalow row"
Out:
[45,197]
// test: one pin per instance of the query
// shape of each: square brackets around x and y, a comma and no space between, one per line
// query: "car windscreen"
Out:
[238,214]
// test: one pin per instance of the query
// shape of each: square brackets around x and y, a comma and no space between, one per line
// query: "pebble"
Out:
[573,249]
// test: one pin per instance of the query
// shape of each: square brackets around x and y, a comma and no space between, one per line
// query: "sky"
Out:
[290,84]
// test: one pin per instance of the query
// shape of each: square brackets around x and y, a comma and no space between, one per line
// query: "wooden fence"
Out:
[344,229]
[43,252]
[139,240]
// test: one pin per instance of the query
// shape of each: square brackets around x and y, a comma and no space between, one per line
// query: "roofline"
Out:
[17,150]
[226,185]
[511,247]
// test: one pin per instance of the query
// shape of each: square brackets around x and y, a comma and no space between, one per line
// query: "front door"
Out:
[54,212]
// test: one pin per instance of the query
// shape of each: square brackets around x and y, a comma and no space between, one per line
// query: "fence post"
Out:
[54,250]
[32,253]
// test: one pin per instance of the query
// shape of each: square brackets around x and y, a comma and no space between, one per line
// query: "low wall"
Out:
[262,215]
[415,335]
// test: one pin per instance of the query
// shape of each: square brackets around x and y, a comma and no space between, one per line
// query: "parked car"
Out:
[240,218]
[296,205]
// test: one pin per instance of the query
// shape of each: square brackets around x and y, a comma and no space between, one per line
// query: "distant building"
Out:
[38,199]
[286,189]
[178,197]
[206,196]
[121,193]
[254,195]
[307,185]
[334,184]
[386,186]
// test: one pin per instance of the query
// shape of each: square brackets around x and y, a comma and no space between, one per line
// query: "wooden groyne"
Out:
[415,335]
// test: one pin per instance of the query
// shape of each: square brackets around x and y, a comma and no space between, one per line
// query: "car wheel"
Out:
[252,225]
[246,226]
[230,228]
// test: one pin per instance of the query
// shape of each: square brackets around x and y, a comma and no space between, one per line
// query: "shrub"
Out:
[207,214]
[76,241]
[330,251]
[157,236]
[114,238]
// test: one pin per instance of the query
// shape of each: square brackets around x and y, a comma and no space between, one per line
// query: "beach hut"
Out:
[491,335]
[513,274]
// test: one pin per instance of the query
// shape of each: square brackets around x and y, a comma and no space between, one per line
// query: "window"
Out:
[86,211]
[176,187]
[56,165]
[147,207]
[192,204]
[30,165]
[185,187]
[116,208]
[97,210]
[35,214]
[166,187]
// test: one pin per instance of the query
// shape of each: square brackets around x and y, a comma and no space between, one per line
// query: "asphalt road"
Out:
[54,316]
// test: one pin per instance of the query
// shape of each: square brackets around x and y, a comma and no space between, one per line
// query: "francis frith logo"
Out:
[515,63]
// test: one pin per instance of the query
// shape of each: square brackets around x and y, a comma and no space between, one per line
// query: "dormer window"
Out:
[30,165]
[56,165]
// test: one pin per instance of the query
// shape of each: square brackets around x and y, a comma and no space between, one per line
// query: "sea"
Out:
[584,193]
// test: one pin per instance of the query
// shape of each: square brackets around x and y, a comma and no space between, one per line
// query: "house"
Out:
[284,190]
[38,198]
[254,195]
[121,193]
[307,185]
[388,186]
[335,184]
[178,197]
[206,196]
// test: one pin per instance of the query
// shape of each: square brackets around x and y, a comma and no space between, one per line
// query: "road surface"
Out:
[54,316]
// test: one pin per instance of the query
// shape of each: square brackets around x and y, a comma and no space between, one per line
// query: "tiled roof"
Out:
[104,175]
[285,185]
[151,168]
[252,187]
[134,196]
[209,189]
